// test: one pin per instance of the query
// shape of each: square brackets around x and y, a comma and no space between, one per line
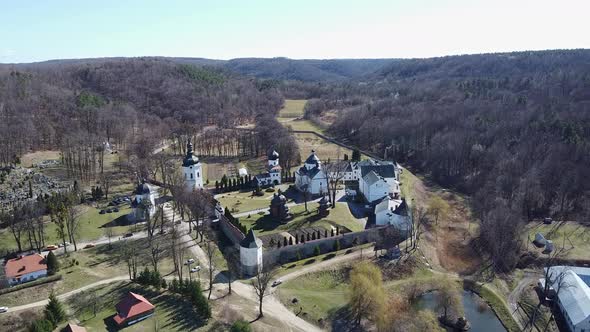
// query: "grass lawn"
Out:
[339,216]
[573,236]
[293,108]
[172,312]
[237,201]
[319,294]
[29,159]
[93,265]
[90,227]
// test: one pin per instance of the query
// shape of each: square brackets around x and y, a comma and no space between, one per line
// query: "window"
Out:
[197,174]
[191,176]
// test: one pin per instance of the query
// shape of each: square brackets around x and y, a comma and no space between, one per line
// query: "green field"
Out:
[293,108]
[90,228]
[572,236]
[318,294]
[339,216]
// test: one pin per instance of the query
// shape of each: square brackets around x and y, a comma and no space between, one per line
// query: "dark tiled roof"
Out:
[313,158]
[309,172]
[251,241]
[402,209]
[384,170]
[189,159]
[273,155]
[142,189]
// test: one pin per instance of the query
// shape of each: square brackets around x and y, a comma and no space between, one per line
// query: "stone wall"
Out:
[231,231]
[289,253]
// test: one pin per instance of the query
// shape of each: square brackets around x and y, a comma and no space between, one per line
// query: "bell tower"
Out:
[191,169]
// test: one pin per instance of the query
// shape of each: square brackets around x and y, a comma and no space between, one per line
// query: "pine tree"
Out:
[54,311]
[52,263]
[317,251]
[41,325]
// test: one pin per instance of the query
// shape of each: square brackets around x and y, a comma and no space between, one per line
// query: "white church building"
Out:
[144,201]
[272,176]
[310,177]
[192,170]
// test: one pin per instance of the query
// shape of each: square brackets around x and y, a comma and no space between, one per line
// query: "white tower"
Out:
[251,254]
[192,170]
[273,159]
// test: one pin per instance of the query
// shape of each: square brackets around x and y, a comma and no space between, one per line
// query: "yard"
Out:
[91,228]
[572,236]
[87,266]
[262,224]
[243,201]
[172,313]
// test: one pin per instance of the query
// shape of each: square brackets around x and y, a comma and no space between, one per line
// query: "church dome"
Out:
[313,158]
[273,155]
[142,189]
[189,159]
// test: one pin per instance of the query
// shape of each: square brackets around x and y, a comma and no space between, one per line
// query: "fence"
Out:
[230,230]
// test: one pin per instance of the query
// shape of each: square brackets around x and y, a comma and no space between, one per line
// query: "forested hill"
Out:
[52,104]
[511,130]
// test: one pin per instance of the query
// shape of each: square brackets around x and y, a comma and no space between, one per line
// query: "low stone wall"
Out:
[289,253]
[231,231]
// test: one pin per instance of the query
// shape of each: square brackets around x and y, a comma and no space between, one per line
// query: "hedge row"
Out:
[31,284]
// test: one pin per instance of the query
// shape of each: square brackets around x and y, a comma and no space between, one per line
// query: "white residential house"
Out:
[144,201]
[574,297]
[272,176]
[192,170]
[310,177]
[394,212]
[25,268]
[374,187]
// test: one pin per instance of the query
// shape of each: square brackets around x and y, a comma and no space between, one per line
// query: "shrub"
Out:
[317,251]
[41,325]
[52,263]
[240,326]
[337,245]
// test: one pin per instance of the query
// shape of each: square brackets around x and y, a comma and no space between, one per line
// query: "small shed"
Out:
[242,171]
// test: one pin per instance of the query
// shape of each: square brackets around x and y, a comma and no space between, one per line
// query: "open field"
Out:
[237,201]
[293,108]
[319,294]
[91,227]
[324,149]
[33,158]
[572,236]
[93,265]
[339,216]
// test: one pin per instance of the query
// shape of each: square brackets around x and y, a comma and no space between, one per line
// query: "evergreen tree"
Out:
[337,245]
[54,311]
[317,251]
[291,241]
[356,155]
[41,325]
[285,241]
[52,263]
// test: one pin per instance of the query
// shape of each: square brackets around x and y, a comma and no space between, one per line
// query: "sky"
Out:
[38,30]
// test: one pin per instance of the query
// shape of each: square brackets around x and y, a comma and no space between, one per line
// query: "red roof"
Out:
[18,267]
[132,305]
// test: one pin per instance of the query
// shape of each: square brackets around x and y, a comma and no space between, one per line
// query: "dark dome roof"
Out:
[251,241]
[313,158]
[189,159]
[278,199]
[273,155]
[142,188]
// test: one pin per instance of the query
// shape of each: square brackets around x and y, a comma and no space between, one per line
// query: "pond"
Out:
[481,318]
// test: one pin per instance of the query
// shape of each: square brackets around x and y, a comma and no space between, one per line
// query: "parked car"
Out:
[3,309]
[277,282]
[547,221]
[116,209]
[195,269]
[102,212]
[89,245]
[52,247]
[109,211]
[189,261]
[128,235]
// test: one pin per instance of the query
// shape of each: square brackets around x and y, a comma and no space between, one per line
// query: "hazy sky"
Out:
[43,29]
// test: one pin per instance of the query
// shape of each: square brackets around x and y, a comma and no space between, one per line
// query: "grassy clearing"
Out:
[93,265]
[573,236]
[238,201]
[293,108]
[319,295]
[324,149]
[91,222]
[294,266]
[32,158]
[339,216]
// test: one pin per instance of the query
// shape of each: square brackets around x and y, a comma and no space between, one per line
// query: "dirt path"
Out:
[514,296]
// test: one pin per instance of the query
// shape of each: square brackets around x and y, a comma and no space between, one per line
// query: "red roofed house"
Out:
[132,309]
[25,268]
[73,328]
